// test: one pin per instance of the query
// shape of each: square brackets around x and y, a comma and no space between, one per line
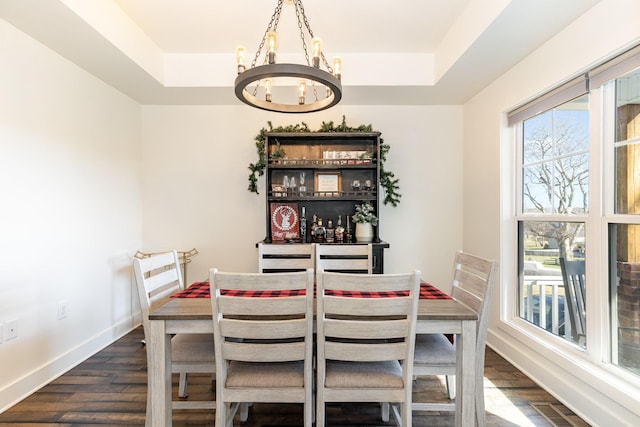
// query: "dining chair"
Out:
[472,283]
[344,258]
[157,278]
[285,257]
[263,334]
[365,345]
[573,278]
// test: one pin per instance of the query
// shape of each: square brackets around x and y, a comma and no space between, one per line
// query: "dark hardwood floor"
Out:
[110,389]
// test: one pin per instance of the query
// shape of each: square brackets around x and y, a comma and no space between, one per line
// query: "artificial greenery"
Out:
[364,214]
[388,181]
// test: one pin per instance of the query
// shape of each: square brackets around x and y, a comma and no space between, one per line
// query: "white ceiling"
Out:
[409,52]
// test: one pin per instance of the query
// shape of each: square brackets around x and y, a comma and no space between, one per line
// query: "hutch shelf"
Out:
[320,175]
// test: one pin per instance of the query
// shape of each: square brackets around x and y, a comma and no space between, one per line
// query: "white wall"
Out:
[579,380]
[70,216]
[87,175]
[196,176]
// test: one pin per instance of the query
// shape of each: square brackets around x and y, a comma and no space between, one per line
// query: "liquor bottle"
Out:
[314,227]
[348,234]
[321,232]
[331,232]
[303,225]
[339,230]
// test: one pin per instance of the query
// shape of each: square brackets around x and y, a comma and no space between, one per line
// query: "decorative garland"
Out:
[388,181]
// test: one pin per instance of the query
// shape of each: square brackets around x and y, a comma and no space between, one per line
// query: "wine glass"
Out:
[301,187]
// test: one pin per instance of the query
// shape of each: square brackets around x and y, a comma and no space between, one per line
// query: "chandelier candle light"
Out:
[256,85]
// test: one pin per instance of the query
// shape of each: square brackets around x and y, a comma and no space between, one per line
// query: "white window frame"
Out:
[600,350]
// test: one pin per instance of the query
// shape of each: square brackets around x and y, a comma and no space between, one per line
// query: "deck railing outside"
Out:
[544,304]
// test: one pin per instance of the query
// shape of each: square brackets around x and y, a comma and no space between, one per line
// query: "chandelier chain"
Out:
[273,26]
[300,11]
[250,80]
[304,43]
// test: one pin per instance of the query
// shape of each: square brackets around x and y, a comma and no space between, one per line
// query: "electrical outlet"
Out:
[11,330]
[63,309]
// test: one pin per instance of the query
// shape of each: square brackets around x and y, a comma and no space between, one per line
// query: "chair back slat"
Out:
[265,330]
[260,353]
[285,257]
[471,282]
[366,329]
[344,258]
[253,306]
[334,305]
[347,352]
[157,278]
[368,283]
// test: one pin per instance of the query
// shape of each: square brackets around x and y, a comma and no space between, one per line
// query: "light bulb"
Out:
[316,44]
[272,41]
[267,90]
[337,67]
[240,54]
[302,90]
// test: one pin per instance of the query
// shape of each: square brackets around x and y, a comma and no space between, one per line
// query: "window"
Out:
[554,189]
[578,206]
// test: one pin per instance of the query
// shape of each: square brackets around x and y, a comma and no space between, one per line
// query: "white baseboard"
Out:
[13,393]
[596,395]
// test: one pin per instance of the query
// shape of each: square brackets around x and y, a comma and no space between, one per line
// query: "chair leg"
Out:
[319,412]
[182,385]
[232,409]
[244,411]
[384,406]
[451,386]
[481,419]
[147,417]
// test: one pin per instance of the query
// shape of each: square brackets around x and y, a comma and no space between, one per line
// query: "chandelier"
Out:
[268,86]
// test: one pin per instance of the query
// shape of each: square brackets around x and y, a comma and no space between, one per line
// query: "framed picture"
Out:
[284,221]
[328,183]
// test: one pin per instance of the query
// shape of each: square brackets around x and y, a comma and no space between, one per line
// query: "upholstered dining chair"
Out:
[344,258]
[157,278]
[573,278]
[263,333]
[365,346]
[285,257]
[473,279]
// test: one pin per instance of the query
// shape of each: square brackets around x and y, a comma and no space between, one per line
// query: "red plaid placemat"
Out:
[201,290]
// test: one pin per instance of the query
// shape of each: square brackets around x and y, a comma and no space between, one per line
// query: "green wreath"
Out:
[387,178]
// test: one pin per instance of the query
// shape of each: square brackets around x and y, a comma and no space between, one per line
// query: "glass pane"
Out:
[537,188]
[555,160]
[627,151]
[544,298]
[538,138]
[625,295]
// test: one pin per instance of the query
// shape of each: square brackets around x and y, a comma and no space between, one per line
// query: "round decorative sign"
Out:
[284,221]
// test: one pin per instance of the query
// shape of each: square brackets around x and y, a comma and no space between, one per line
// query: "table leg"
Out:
[159,375]
[465,376]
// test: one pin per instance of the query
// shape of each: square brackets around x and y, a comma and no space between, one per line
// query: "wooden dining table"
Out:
[193,315]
